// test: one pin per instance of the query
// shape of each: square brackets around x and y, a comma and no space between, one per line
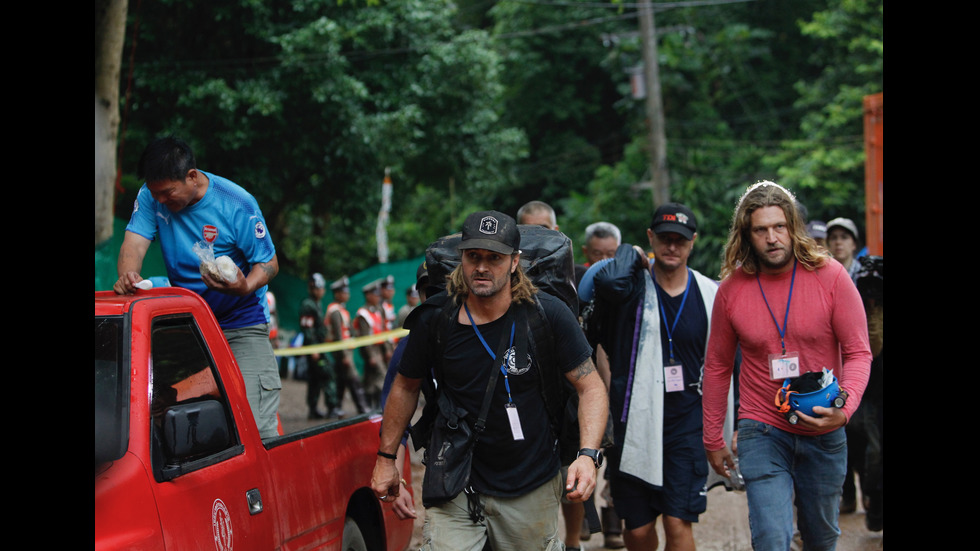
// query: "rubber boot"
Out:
[360,399]
[347,382]
[612,529]
[341,386]
[874,519]
[584,533]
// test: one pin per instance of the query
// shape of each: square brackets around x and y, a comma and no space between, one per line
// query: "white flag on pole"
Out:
[382,230]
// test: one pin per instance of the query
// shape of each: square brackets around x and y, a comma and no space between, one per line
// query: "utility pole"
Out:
[654,107]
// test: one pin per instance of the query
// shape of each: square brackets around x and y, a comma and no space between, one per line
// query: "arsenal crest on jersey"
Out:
[210,233]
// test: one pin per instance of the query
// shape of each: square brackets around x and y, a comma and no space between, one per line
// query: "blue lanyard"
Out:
[503,365]
[782,332]
[663,313]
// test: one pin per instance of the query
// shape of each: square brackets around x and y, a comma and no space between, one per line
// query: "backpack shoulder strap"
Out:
[553,389]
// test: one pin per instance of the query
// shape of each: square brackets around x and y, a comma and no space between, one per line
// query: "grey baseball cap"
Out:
[845,223]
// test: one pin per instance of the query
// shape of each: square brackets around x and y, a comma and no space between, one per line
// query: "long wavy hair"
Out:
[739,251]
[522,289]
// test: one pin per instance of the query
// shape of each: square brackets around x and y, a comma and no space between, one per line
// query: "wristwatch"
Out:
[594,455]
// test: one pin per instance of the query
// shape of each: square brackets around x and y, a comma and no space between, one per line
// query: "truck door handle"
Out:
[254,499]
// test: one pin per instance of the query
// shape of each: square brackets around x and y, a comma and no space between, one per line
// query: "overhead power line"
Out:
[550,29]
[658,6]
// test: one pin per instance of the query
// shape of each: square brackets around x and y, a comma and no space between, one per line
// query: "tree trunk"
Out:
[110,27]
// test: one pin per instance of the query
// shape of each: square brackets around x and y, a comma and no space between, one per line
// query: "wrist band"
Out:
[387,455]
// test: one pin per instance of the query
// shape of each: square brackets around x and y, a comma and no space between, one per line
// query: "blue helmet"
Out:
[788,400]
[586,287]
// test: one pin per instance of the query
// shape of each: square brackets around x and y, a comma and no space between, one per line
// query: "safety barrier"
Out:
[352,343]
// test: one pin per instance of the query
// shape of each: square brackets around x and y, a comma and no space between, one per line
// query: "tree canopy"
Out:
[488,104]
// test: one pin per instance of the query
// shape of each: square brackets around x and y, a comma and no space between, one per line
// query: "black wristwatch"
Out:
[594,455]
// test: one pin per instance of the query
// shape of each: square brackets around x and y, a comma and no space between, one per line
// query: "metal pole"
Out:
[654,108]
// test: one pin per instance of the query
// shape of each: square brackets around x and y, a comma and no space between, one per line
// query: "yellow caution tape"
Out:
[346,344]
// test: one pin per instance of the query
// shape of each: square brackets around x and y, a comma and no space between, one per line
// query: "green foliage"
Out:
[726,103]
[479,105]
[559,91]
[305,102]
[825,163]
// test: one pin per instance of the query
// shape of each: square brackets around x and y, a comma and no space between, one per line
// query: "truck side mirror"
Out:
[194,430]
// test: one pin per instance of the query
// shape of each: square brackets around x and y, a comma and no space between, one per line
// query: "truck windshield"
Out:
[111,391]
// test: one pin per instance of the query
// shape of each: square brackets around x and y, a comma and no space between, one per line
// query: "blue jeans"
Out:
[776,466]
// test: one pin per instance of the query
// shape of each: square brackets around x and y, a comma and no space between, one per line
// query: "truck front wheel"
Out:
[353,539]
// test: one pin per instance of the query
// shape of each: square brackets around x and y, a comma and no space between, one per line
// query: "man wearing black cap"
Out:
[514,485]
[818,231]
[655,320]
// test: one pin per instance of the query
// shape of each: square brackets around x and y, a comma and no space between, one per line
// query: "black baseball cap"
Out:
[490,230]
[817,229]
[674,218]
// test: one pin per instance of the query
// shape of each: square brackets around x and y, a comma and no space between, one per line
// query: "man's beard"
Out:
[484,291]
[764,259]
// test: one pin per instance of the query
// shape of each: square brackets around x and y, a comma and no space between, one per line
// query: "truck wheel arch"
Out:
[353,539]
[364,511]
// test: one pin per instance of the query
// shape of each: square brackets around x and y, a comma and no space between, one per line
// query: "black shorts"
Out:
[682,496]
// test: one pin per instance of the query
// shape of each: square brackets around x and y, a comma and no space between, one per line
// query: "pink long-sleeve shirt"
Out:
[827,326]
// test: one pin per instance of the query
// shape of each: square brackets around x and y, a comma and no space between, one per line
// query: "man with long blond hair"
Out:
[514,485]
[792,309]
[739,251]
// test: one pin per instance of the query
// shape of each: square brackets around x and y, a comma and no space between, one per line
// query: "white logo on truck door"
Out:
[221,526]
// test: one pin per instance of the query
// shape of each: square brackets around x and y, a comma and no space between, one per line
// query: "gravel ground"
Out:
[723,527]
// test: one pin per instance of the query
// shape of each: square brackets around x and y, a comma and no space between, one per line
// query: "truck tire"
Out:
[353,539]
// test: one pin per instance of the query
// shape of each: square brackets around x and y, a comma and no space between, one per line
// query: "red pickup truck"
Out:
[179,463]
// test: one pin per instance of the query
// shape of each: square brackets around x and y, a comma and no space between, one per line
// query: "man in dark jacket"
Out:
[654,321]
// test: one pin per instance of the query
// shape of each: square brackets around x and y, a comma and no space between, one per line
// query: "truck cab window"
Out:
[111,391]
[189,411]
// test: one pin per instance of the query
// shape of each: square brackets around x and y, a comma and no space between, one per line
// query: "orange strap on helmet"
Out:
[782,399]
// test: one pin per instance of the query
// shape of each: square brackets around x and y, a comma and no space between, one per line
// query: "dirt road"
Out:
[724,527]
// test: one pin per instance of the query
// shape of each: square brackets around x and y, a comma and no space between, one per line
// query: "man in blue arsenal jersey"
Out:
[189,211]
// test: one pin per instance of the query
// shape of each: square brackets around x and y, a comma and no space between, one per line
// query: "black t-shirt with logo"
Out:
[502,466]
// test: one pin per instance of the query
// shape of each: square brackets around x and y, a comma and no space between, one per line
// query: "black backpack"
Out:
[546,258]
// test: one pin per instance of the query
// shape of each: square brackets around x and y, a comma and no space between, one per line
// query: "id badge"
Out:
[673,378]
[515,421]
[784,366]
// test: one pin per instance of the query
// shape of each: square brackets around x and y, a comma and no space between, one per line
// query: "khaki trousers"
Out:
[524,523]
